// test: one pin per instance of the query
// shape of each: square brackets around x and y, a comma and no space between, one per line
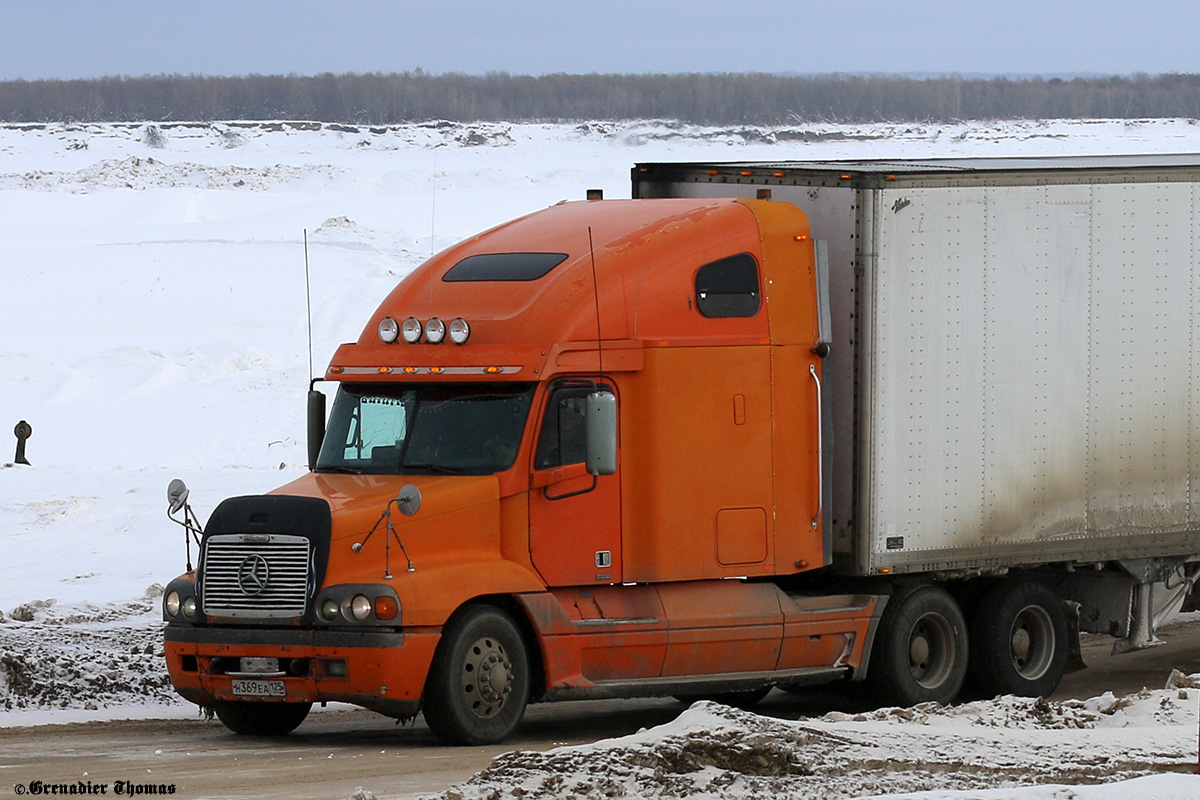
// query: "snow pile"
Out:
[83,656]
[712,751]
[141,173]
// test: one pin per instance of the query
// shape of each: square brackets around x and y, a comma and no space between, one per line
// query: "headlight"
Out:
[329,610]
[435,331]
[189,608]
[460,331]
[172,603]
[388,330]
[411,330]
[360,607]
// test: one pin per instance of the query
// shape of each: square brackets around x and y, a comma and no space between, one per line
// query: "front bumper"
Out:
[381,670]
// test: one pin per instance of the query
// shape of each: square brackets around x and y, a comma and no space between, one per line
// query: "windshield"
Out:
[425,429]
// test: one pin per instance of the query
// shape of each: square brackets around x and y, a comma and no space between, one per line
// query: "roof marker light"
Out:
[460,331]
[435,331]
[411,330]
[389,330]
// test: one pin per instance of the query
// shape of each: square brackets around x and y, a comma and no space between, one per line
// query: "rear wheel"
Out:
[920,651]
[478,684]
[261,719]
[1019,640]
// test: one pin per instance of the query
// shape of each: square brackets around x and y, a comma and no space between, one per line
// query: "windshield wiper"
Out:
[439,468]
[339,469]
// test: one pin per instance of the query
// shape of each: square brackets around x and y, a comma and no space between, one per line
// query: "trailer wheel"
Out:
[478,684]
[920,652]
[1019,640]
[261,719]
[744,699]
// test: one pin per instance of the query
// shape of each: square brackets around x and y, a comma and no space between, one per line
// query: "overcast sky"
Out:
[94,38]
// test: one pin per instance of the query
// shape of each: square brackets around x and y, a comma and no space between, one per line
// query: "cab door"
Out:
[574,517]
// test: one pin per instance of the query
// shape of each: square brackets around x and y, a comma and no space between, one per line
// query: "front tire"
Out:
[478,684]
[261,719]
[920,651]
[1019,641]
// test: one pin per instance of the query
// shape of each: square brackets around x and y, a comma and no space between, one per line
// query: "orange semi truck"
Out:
[908,423]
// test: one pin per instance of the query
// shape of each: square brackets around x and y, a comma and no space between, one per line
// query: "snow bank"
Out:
[712,751]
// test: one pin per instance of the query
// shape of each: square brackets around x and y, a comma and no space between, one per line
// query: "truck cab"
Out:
[606,418]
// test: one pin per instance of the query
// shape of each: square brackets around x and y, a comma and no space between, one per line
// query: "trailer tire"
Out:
[1019,641]
[261,719]
[478,684]
[920,652]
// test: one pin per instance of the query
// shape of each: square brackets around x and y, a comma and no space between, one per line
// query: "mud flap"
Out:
[1074,650]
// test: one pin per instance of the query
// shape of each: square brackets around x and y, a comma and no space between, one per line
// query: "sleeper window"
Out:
[728,287]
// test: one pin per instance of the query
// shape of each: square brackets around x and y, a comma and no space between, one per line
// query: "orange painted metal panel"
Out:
[815,636]
[741,536]
[721,626]
[684,458]
[454,540]
[598,633]
[385,673]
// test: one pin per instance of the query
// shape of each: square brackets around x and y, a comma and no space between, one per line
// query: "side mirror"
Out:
[601,426]
[316,426]
[177,495]
[409,500]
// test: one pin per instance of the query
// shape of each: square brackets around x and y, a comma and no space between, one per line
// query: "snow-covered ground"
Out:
[713,751]
[153,325]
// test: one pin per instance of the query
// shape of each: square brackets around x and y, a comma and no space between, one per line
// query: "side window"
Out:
[562,438]
[728,287]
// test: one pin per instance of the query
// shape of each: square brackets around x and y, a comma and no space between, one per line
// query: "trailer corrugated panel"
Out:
[1015,354]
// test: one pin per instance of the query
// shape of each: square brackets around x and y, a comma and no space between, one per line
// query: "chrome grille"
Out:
[255,575]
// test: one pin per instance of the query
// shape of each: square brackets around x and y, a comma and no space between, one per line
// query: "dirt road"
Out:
[337,750]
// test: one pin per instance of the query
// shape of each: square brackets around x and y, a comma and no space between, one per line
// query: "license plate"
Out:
[254,688]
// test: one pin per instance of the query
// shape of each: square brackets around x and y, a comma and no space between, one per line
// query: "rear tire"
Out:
[1019,641]
[261,719]
[478,684]
[920,651]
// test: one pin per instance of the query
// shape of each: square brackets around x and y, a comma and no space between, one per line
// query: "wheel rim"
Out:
[931,654]
[1031,643]
[487,677]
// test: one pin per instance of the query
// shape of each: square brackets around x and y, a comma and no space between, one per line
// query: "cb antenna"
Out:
[433,205]
[308,299]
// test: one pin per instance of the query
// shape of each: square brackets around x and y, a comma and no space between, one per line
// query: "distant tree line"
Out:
[381,99]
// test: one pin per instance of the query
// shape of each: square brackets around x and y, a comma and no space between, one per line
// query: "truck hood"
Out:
[357,501]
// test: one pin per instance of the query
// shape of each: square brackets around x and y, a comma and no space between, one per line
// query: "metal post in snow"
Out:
[23,431]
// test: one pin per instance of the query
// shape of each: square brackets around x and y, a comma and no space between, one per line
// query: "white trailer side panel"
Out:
[1029,373]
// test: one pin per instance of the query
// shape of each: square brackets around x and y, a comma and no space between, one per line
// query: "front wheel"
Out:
[1019,640]
[261,719]
[478,684]
[920,651]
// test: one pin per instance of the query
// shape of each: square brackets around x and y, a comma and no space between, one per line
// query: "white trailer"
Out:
[1014,378]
